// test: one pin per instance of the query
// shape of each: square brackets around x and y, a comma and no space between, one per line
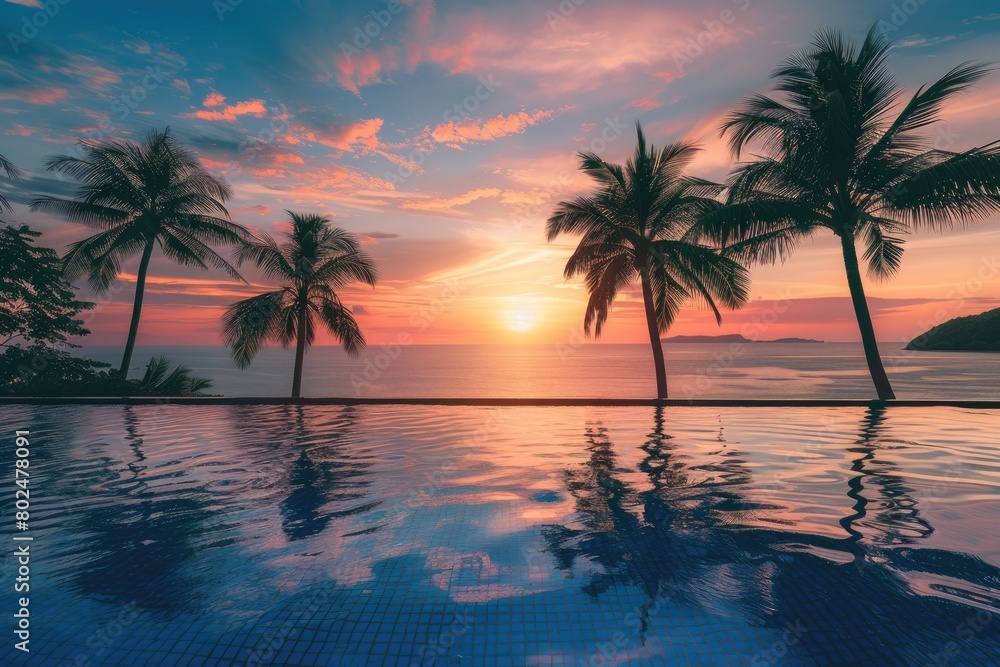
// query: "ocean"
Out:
[695,371]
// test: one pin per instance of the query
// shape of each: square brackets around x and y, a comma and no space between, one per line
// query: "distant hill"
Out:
[980,333]
[734,338]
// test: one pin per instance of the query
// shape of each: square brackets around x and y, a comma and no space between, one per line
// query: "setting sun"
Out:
[523,317]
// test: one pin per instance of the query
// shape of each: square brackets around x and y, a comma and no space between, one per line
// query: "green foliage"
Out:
[979,333]
[37,304]
[41,370]
[160,380]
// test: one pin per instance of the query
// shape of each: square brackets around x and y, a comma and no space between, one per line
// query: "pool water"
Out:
[241,535]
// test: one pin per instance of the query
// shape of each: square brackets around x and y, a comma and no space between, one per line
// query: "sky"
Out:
[443,133]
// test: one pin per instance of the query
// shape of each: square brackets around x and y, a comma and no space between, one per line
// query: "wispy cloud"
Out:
[228,113]
[458,133]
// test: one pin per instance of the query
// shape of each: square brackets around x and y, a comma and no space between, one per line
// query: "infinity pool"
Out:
[175,535]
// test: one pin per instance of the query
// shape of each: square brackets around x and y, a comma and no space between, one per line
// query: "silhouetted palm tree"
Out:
[835,153]
[643,223]
[14,174]
[139,195]
[314,262]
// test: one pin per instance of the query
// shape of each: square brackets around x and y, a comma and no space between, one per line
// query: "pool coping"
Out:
[501,402]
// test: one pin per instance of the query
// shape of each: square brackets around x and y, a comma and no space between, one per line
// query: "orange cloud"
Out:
[229,114]
[458,133]
[213,99]
[357,137]
[366,68]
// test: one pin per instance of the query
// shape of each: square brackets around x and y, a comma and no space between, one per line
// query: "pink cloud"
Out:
[88,73]
[354,137]
[645,104]
[26,3]
[458,133]
[259,209]
[231,113]
[451,202]
[517,199]
[213,100]
[668,75]
[366,68]
[606,44]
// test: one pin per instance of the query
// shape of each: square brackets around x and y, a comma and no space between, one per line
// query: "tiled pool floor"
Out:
[169,535]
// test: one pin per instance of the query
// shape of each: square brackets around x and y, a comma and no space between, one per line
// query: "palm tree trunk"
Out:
[875,367]
[654,336]
[300,355]
[140,288]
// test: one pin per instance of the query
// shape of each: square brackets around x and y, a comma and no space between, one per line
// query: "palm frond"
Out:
[341,323]
[248,324]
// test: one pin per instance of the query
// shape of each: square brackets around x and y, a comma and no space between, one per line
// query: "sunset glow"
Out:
[447,139]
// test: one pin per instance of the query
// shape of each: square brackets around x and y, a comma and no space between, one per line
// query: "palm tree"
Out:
[837,154]
[314,261]
[140,195]
[644,222]
[14,174]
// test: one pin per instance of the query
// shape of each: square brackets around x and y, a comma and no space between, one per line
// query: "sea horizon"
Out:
[605,370]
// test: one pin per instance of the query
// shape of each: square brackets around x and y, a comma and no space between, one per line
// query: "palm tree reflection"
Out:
[660,539]
[326,473]
[141,538]
[694,536]
[899,518]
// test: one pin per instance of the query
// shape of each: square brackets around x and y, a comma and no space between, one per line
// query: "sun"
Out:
[522,320]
